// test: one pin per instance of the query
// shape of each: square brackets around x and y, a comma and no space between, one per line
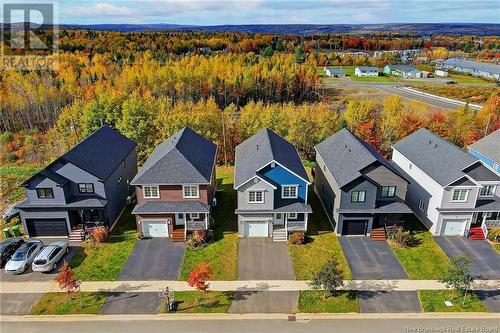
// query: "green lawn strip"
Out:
[433,301]
[222,254]
[198,302]
[426,261]
[60,304]
[373,79]
[496,246]
[314,301]
[104,262]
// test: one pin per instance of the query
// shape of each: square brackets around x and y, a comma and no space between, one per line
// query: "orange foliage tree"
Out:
[199,276]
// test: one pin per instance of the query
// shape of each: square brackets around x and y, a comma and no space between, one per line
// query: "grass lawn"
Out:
[198,302]
[104,262]
[426,261]
[433,301]
[496,246]
[59,304]
[312,301]
[464,78]
[222,254]
[322,246]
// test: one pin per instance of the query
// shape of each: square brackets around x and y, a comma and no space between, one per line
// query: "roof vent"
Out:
[430,141]
[435,146]
[256,180]
[273,165]
[257,147]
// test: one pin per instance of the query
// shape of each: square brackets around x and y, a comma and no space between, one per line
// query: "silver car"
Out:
[48,258]
[23,257]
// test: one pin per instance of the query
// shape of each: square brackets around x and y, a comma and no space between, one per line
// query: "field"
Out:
[472,94]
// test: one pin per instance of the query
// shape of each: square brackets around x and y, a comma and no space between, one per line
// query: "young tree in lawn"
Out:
[199,276]
[330,277]
[459,276]
[66,279]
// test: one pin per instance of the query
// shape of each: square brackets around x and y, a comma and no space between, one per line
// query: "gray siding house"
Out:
[88,185]
[452,192]
[271,185]
[359,189]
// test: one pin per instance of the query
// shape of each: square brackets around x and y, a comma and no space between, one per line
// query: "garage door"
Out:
[155,228]
[256,229]
[454,227]
[47,227]
[354,227]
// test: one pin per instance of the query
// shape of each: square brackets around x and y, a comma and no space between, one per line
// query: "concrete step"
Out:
[280,235]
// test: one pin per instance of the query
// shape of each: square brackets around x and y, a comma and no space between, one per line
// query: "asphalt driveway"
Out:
[263,259]
[391,302]
[264,302]
[485,260]
[368,259]
[131,303]
[154,259]
[490,299]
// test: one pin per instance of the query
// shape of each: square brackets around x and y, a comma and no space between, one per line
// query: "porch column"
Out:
[484,218]
[206,221]
[306,216]
[285,216]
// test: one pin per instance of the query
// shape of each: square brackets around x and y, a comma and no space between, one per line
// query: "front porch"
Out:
[184,223]
[84,220]
[481,222]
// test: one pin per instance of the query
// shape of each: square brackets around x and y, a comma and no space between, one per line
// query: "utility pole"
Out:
[487,125]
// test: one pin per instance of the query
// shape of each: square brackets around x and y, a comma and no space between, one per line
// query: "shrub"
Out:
[402,237]
[199,238]
[494,234]
[297,238]
[100,235]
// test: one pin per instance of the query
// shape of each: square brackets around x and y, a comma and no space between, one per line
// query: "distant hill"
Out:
[480,29]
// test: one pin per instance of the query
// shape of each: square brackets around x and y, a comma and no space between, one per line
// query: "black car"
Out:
[451,82]
[7,249]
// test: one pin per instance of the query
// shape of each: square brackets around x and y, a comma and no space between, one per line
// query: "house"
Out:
[488,150]
[87,186]
[175,187]
[366,71]
[476,68]
[334,72]
[403,71]
[359,189]
[441,73]
[452,192]
[271,185]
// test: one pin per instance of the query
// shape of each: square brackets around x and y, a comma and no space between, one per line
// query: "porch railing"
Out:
[485,229]
[296,225]
[196,225]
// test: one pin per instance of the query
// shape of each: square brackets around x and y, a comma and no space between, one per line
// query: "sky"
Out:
[215,12]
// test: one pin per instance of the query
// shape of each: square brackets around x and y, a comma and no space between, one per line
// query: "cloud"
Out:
[365,18]
[102,9]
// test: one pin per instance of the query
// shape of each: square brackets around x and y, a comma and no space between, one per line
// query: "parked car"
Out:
[23,257]
[7,249]
[48,258]
[451,82]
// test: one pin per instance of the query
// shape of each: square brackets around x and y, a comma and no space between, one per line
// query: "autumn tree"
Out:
[198,278]
[66,279]
[358,112]
[390,121]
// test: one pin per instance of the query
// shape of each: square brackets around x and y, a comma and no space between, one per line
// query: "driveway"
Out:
[491,299]
[131,303]
[18,304]
[485,260]
[368,259]
[264,302]
[154,259]
[263,259]
[392,301]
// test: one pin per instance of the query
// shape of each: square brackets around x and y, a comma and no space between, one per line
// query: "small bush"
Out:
[297,238]
[199,238]
[494,234]
[100,235]
[402,237]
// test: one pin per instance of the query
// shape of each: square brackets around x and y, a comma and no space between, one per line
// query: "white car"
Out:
[47,260]
[23,257]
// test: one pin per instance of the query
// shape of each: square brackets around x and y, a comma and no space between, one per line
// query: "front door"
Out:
[279,219]
[180,219]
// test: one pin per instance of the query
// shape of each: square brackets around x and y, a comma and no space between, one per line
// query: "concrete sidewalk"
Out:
[264,285]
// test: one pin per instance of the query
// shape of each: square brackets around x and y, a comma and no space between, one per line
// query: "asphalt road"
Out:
[353,324]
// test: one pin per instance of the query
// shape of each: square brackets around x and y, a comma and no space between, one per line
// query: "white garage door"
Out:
[256,229]
[155,228]
[454,227]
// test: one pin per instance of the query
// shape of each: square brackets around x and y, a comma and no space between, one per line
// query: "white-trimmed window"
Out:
[194,215]
[388,191]
[151,191]
[358,196]
[460,195]
[292,216]
[86,188]
[290,192]
[487,191]
[190,191]
[256,196]
[421,204]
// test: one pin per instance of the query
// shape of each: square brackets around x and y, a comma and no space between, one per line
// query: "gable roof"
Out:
[99,154]
[261,149]
[346,155]
[335,70]
[403,68]
[185,158]
[489,146]
[476,65]
[441,160]
[367,69]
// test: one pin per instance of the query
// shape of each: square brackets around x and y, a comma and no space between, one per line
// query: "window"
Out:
[180,216]
[190,191]
[289,192]
[388,191]
[278,216]
[487,191]
[256,196]
[358,196]
[195,215]
[421,204]
[460,195]
[292,216]
[86,188]
[44,193]
[151,192]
